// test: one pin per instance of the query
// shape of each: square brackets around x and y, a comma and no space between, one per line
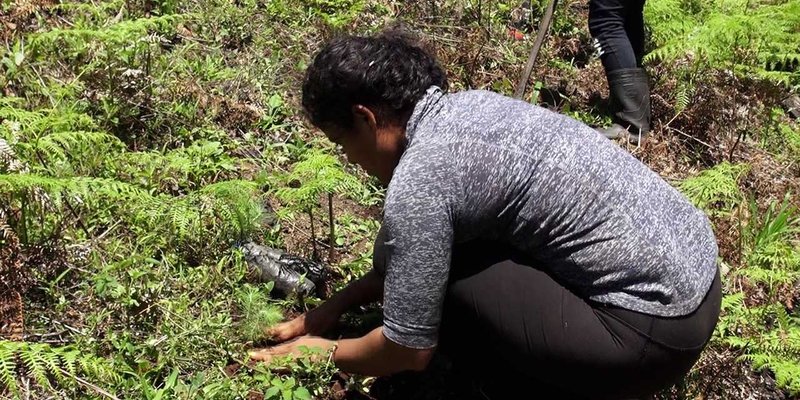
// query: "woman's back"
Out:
[586,210]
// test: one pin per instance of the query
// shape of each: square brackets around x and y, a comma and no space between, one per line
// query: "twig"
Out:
[89,385]
[75,330]
[102,235]
[26,383]
[674,117]
[44,335]
[313,235]
[739,137]
[689,136]
[331,224]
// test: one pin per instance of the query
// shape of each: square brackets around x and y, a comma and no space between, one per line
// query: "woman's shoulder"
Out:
[482,105]
[479,95]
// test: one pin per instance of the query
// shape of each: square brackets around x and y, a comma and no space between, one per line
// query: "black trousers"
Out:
[520,331]
[618,27]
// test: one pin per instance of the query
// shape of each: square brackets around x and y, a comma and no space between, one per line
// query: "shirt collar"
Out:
[427,105]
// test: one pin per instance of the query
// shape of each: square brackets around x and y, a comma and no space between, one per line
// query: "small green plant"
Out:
[768,336]
[781,136]
[286,389]
[317,174]
[309,372]
[772,245]
[258,314]
[336,13]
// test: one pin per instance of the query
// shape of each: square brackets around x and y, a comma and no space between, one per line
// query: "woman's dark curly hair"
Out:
[389,71]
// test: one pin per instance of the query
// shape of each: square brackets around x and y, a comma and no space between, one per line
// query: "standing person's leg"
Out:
[517,328]
[634,29]
[607,25]
[620,37]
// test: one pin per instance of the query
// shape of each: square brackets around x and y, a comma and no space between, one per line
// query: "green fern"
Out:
[768,336]
[318,173]
[46,365]
[683,96]
[230,209]
[78,40]
[177,170]
[70,153]
[768,333]
[749,37]
[716,190]
[23,125]
[8,365]
[87,189]
[777,349]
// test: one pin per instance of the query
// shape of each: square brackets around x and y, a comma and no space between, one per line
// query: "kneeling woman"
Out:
[514,239]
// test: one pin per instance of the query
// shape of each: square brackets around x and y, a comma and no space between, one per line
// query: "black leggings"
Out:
[618,27]
[522,331]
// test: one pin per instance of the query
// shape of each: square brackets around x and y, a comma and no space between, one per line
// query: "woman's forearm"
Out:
[375,355]
[365,290]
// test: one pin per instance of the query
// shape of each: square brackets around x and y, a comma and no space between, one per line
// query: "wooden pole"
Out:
[543,28]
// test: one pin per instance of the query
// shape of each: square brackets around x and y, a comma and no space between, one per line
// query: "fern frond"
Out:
[716,190]
[69,359]
[30,125]
[8,365]
[683,96]
[121,33]
[750,38]
[316,174]
[43,362]
[35,363]
[111,189]
[787,373]
[71,142]
[768,276]
[52,362]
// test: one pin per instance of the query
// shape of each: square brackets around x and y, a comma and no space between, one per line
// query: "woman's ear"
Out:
[364,118]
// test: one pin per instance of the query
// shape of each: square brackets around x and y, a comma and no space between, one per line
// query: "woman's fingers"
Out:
[288,330]
[261,355]
[268,354]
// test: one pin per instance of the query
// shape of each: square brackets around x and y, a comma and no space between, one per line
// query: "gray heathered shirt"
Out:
[481,165]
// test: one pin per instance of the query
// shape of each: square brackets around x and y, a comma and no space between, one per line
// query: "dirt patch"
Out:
[719,376]
[297,233]
[21,17]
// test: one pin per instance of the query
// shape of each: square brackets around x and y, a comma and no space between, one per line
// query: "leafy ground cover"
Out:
[142,142]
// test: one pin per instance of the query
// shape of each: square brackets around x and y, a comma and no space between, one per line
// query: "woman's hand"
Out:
[323,318]
[314,322]
[371,355]
[295,349]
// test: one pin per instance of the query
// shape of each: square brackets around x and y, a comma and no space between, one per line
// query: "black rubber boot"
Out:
[629,92]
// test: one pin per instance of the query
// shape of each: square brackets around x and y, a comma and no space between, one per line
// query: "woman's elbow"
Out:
[420,359]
